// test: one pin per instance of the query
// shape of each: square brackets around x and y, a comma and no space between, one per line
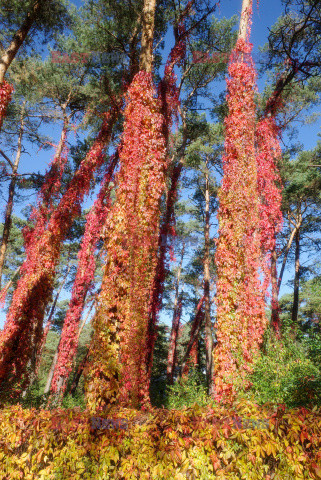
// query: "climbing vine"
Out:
[6,91]
[23,328]
[117,368]
[83,283]
[240,302]
[269,188]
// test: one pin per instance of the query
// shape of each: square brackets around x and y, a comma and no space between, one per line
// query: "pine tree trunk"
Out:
[275,316]
[51,371]
[77,376]
[5,289]
[288,246]
[18,39]
[175,325]
[63,379]
[207,301]
[79,372]
[295,308]
[158,284]
[9,207]
[146,55]
[244,20]
[196,327]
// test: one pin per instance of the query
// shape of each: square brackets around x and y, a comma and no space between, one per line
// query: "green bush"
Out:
[285,374]
[188,391]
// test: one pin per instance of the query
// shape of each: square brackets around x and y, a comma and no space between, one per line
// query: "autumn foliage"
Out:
[240,300]
[6,91]
[270,191]
[117,367]
[83,283]
[245,441]
[22,332]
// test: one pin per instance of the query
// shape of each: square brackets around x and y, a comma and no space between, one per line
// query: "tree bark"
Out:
[158,285]
[207,301]
[146,55]
[9,207]
[4,291]
[57,397]
[51,371]
[194,333]
[293,233]
[49,321]
[77,376]
[244,20]
[18,39]
[275,316]
[295,308]
[175,325]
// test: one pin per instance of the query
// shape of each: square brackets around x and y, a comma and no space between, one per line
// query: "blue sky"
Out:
[264,16]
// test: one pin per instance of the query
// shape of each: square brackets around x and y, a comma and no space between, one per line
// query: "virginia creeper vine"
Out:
[83,282]
[240,301]
[34,289]
[117,368]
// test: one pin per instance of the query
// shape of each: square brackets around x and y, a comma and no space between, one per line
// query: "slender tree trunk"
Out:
[175,325]
[288,246]
[51,371]
[244,20]
[50,317]
[18,39]
[196,327]
[295,308]
[34,374]
[84,320]
[4,291]
[207,300]
[58,397]
[79,372]
[12,187]
[77,376]
[146,55]
[158,286]
[275,316]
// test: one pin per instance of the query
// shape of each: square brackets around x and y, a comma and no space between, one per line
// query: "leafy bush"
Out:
[285,374]
[72,401]
[188,391]
[194,443]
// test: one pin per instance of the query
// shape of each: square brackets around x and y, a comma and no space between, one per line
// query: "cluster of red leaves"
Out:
[269,189]
[240,302]
[168,94]
[48,195]
[83,282]
[117,367]
[23,328]
[6,91]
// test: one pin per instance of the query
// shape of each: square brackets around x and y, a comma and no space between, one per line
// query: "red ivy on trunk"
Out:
[117,368]
[23,328]
[83,282]
[240,300]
